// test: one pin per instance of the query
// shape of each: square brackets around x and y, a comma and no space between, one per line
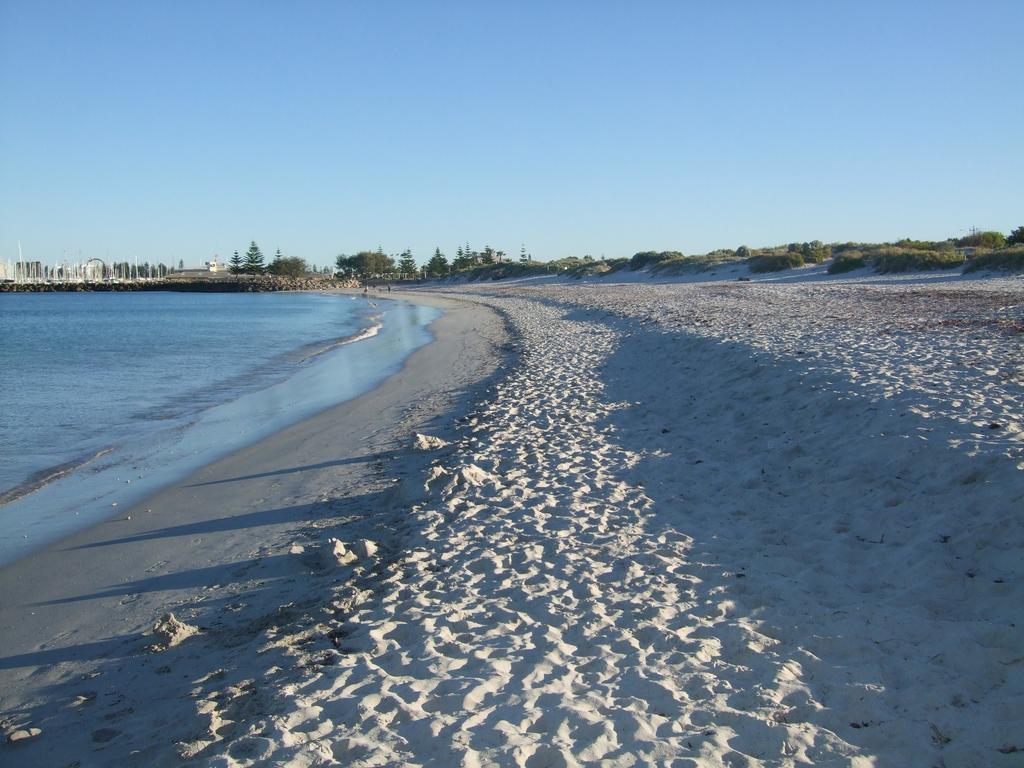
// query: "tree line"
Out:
[282,266]
[379,265]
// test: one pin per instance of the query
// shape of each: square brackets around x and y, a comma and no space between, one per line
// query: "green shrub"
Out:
[813,255]
[894,259]
[925,245]
[504,270]
[650,258]
[847,262]
[983,240]
[1005,259]
[775,262]
[671,264]
[589,269]
[696,264]
[838,248]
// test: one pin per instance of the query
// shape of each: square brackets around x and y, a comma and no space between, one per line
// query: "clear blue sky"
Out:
[182,129]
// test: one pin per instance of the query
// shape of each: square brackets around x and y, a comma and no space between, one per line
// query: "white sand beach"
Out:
[683,524]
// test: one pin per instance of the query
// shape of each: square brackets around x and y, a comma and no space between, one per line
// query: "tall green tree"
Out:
[522,254]
[462,261]
[1016,237]
[235,263]
[407,264]
[345,265]
[288,266]
[253,260]
[488,256]
[365,264]
[438,264]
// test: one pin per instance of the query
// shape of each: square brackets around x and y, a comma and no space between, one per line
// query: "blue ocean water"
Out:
[106,396]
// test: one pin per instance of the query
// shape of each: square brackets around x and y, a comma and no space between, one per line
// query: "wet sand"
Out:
[216,549]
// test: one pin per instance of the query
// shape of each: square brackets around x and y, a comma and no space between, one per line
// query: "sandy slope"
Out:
[698,528]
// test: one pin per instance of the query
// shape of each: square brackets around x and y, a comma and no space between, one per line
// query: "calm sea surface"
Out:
[106,396]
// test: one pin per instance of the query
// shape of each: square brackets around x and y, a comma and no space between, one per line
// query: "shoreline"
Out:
[82,605]
[723,523]
[44,476]
[161,444]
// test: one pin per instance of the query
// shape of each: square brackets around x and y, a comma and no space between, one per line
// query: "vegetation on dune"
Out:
[503,271]
[775,262]
[697,264]
[975,251]
[1005,259]
[847,262]
[983,240]
[895,259]
[571,266]
[645,259]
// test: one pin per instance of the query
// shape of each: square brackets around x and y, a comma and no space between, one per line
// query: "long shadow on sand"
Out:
[115,647]
[383,456]
[257,519]
[221,575]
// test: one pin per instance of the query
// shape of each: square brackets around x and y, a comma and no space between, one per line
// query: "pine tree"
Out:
[488,257]
[277,256]
[235,263]
[407,264]
[438,264]
[253,260]
[522,253]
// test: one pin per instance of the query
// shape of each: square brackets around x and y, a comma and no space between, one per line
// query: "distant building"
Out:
[211,269]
